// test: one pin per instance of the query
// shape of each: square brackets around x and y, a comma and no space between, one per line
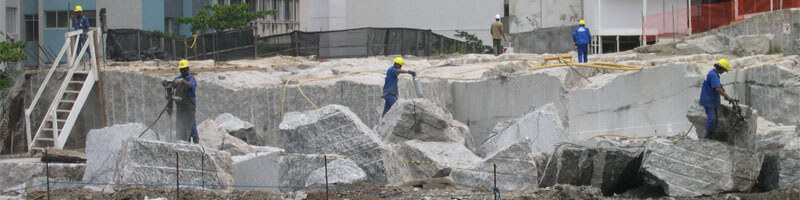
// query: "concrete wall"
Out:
[528,15]
[545,40]
[122,14]
[769,23]
[322,15]
[441,16]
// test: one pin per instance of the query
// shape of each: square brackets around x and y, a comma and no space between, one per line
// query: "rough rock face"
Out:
[780,170]
[542,126]
[516,168]
[295,168]
[748,45]
[102,149]
[340,171]
[16,172]
[237,127]
[706,44]
[611,169]
[691,168]
[729,129]
[64,156]
[257,169]
[423,120]
[212,135]
[334,129]
[152,162]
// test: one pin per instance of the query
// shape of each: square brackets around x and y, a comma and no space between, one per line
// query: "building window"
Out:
[62,19]
[32,27]
[233,2]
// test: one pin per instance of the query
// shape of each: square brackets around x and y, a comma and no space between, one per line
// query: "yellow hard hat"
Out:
[399,60]
[78,8]
[582,22]
[724,63]
[183,64]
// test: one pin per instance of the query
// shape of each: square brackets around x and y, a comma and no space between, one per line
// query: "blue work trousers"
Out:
[390,100]
[711,121]
[583,53]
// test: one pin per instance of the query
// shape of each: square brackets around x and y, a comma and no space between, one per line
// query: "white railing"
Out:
[60,136]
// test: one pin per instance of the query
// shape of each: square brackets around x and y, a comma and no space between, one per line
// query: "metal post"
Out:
[495,180]
[47,172]
[138,43]
[177,177]
[326,175]
[296,42]
[402,42]
[255,43]
[369,42]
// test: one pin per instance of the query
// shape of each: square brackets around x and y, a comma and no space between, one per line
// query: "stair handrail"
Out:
[91,77]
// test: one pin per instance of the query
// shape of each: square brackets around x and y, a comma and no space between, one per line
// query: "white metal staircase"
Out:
[59,119]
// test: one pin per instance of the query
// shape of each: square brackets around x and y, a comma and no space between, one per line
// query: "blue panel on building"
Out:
[153,15]
[67,4]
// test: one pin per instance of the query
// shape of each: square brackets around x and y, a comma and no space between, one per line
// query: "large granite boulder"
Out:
[152,162]
[781,169]
[237,127]
[542,126]
[515,167]
[748,45]
[710,44]
[730,129]
[417,160]
[424,120]
[611,169]
[102,149]
[18,173]
[295,168]
[340,172]
[692,168]
[334,129]
[258,169]
[212,135]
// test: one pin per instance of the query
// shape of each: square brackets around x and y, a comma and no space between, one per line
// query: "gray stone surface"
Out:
[730,129]
[295,169]
[423,120]
[237,127]
[544,40]
[704,44]
[607,168]
[748,45]
[775,141]
[781,169]
[692,168]
[102,149]
[257,169]
[515,164]
[771,89]
[18,172]
[334,129]
[64,156]
[431,183]
[542,126]
[212,135]
[340,172]
[153,162]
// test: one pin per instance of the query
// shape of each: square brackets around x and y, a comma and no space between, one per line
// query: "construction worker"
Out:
[390,85]
[185,125]
[709,96]
[497,33]
[80,23]
[581,37]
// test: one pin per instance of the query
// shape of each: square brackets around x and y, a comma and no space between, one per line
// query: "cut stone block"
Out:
[424,120]
[730,129]
[295,169]
[153,162]
[102,149]
[707,44]
[542,126]
[748,45]
[781,169]
[334,129]
[257,169]
[611,169]
[64,156]
[18,172]
[212,135]
[516,168]
[237,127]
[417,160]
[691,168]
[340,171]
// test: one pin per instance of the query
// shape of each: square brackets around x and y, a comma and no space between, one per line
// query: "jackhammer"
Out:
[169,95]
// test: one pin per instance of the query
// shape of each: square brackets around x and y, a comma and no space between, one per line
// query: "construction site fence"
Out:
[133,44]
[679,18]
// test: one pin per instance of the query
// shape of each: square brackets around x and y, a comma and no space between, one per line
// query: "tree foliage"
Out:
[472,41]
[12,51]
[221,17]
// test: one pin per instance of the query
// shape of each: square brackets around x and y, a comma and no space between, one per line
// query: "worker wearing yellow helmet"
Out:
[581,37]
[709,96]
[80,22]
[185,124]
[390,90]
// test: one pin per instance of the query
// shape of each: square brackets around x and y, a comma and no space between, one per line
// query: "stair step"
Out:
[63,111]
[71,92]
[45,139]
[67,101]
[81,72]
[75,82]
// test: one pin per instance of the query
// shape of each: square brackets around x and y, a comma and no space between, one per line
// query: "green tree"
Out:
[473,43]
[221,17]
[10,52]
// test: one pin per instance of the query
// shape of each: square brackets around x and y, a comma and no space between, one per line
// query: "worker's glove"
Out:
[412,73]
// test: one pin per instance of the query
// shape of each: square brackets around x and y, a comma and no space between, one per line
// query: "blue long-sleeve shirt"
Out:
[581,36]
[709,96]
[189,91]
[390,84]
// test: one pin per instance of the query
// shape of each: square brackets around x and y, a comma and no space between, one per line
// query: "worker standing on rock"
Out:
[390,85]
[709,96]
[582,37]
[497,33]
[185,124]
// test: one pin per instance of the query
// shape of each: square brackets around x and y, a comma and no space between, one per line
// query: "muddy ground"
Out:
[379,192]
